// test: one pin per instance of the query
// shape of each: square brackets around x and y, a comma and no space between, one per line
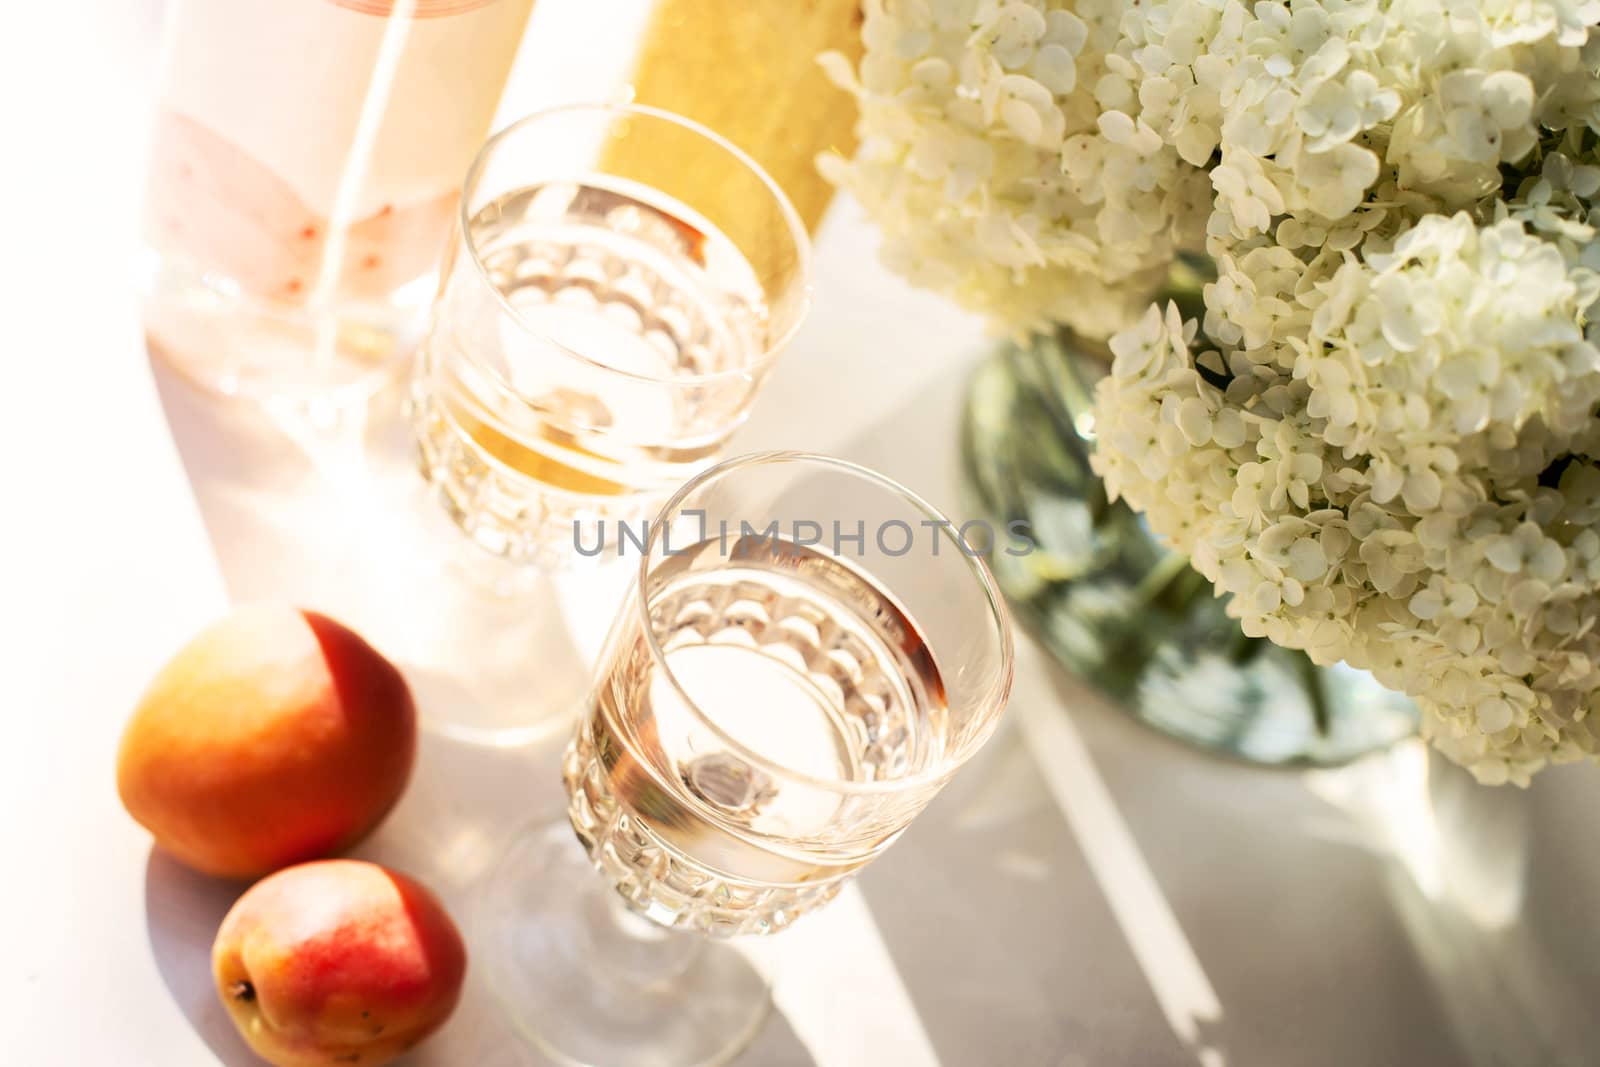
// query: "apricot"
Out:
[337,962]
[275,736]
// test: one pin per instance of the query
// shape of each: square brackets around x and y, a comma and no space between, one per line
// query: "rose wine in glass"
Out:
[793,652]
[783,691]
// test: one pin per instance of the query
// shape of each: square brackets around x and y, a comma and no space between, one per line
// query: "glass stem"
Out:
[629,948]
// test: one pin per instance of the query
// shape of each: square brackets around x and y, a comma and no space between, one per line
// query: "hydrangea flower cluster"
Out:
[996,173]
[1381,438]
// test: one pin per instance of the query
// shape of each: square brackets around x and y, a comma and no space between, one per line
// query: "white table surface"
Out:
[1086,893]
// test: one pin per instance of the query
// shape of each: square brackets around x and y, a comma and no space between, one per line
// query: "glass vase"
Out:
[1127,614]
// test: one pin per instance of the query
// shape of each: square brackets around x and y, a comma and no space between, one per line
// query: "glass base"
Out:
[275,354]
[1117,608]
[592,983]
[496,654]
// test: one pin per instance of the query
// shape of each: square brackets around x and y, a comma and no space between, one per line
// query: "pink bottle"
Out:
[305,165]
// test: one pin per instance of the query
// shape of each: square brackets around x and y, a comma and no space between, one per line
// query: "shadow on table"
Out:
[1143,901]
[465,801]
[182,912]
[336,519]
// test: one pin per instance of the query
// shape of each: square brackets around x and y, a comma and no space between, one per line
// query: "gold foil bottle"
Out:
[748,70]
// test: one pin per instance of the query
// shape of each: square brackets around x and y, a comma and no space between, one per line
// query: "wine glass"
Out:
[621,281]
[809,652]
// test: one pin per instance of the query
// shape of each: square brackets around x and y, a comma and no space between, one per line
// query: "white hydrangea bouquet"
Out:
[1381,435]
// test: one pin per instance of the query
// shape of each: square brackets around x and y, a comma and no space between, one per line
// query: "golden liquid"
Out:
[603,364]
[544,463]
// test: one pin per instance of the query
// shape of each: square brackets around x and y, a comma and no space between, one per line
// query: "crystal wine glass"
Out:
[621,282]
[810,651]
